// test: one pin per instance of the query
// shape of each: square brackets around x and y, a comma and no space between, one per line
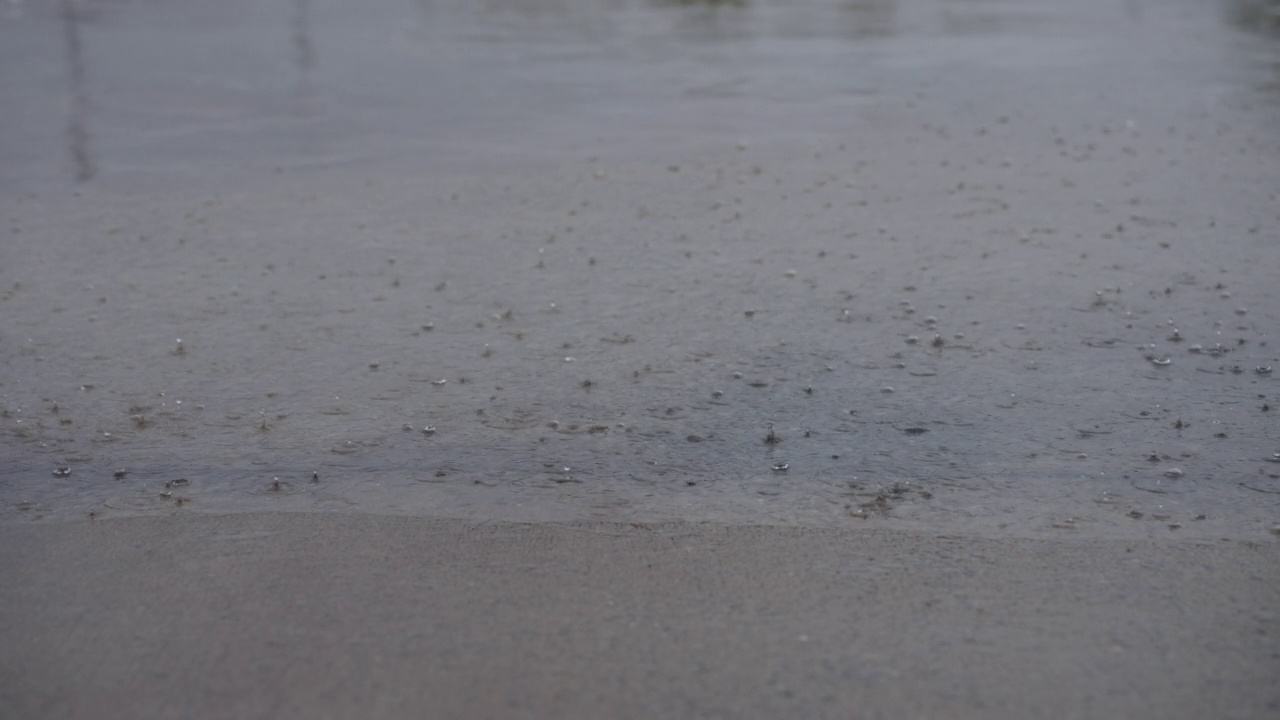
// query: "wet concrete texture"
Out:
[987,267]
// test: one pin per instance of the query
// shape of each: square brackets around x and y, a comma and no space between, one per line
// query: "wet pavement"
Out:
[974,267]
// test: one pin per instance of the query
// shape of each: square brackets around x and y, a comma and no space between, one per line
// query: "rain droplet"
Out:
[772,438]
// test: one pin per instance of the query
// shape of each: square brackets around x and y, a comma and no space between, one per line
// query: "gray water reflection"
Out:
[304,55]
[182,85]
[1257,15]
[687,20]
[236,87]
[77,126]
[987,266]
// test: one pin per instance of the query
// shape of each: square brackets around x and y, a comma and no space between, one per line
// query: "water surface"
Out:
[984,267]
